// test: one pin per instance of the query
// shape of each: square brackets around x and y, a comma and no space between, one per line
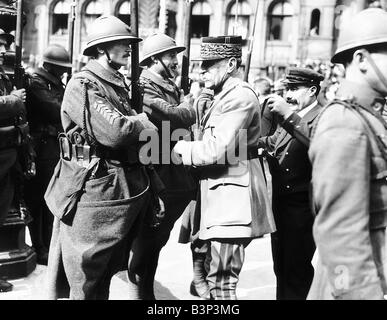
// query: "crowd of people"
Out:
[113,178]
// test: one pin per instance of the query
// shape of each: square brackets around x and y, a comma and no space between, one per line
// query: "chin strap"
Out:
[169,75]
[379,74]
[115,66]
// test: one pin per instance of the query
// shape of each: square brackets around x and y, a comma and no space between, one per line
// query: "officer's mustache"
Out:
[292,101]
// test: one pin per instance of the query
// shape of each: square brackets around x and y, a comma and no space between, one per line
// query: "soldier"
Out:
[45,91]
[234,205]
[169,110]
[279,87]
[102,132]
[292,244]
[12,113]
[349,169]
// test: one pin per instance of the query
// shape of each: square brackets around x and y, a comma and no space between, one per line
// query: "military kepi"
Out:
[222,47]
[298,76]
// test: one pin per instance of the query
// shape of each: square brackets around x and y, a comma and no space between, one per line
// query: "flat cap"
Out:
[297,75]
[222,47]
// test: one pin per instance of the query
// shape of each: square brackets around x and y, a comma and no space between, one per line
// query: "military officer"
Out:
[12,113]
[349,169]
[169,110]
[292,243]
[102,134]
[45,91]
[234,205]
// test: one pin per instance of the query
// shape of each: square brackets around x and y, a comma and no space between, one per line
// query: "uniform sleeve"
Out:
[45,102]
[158,110]
[340,156]
[11,106]
[105,123]
[238,110]
[298,129]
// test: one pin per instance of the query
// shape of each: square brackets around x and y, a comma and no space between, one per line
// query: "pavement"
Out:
[173,277]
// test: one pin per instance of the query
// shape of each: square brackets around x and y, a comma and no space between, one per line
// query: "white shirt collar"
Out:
[304,111]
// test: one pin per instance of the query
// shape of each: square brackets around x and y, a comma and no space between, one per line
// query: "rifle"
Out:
[185,81]
[26,152]
[70,25]
[19,70]
[251,44]
[135,66]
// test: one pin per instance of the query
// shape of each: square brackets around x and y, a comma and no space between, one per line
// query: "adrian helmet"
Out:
[156,44]
[106,29]
[368,27]
[57,55]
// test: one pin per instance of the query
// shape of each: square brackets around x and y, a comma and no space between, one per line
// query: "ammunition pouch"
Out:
[83,153]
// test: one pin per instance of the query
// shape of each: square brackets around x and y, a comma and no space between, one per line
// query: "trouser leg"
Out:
[147,245]
[293,247]
[227,259]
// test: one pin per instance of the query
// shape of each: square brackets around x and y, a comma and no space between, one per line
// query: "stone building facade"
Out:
[286,31]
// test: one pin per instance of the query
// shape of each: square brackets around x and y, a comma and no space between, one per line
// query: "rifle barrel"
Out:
[135,69]
[251,45]
[187,44]
[71,23]
[18,45]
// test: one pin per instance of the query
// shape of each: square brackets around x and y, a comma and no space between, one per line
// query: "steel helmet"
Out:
[9,38]
[368,27]
[58,55]
[106,29]
[158,43]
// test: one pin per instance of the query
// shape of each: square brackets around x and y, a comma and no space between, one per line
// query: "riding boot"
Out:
[199,286]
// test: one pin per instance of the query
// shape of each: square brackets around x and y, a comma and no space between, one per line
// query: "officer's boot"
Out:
[199,286]
[5,286]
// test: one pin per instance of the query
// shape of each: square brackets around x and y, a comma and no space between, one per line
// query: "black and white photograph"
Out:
[193,154]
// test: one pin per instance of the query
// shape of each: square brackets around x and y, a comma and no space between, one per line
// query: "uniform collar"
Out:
[48,76]
[111,76]
[363,95]
[304,111]
[230,82]
[166,84]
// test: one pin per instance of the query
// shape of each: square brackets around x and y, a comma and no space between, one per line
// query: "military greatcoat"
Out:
[234,198]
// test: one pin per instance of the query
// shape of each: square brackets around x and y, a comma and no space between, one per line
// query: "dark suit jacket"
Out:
[289,164]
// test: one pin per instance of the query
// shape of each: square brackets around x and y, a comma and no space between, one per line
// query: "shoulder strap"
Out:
[86,77]
[370,131]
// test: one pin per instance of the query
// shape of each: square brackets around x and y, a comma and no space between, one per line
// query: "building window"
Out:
[123,12]
[280,21]
[201,12]
[315,23]
[92,11]
[60,14]
[238,19]
[172,7]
